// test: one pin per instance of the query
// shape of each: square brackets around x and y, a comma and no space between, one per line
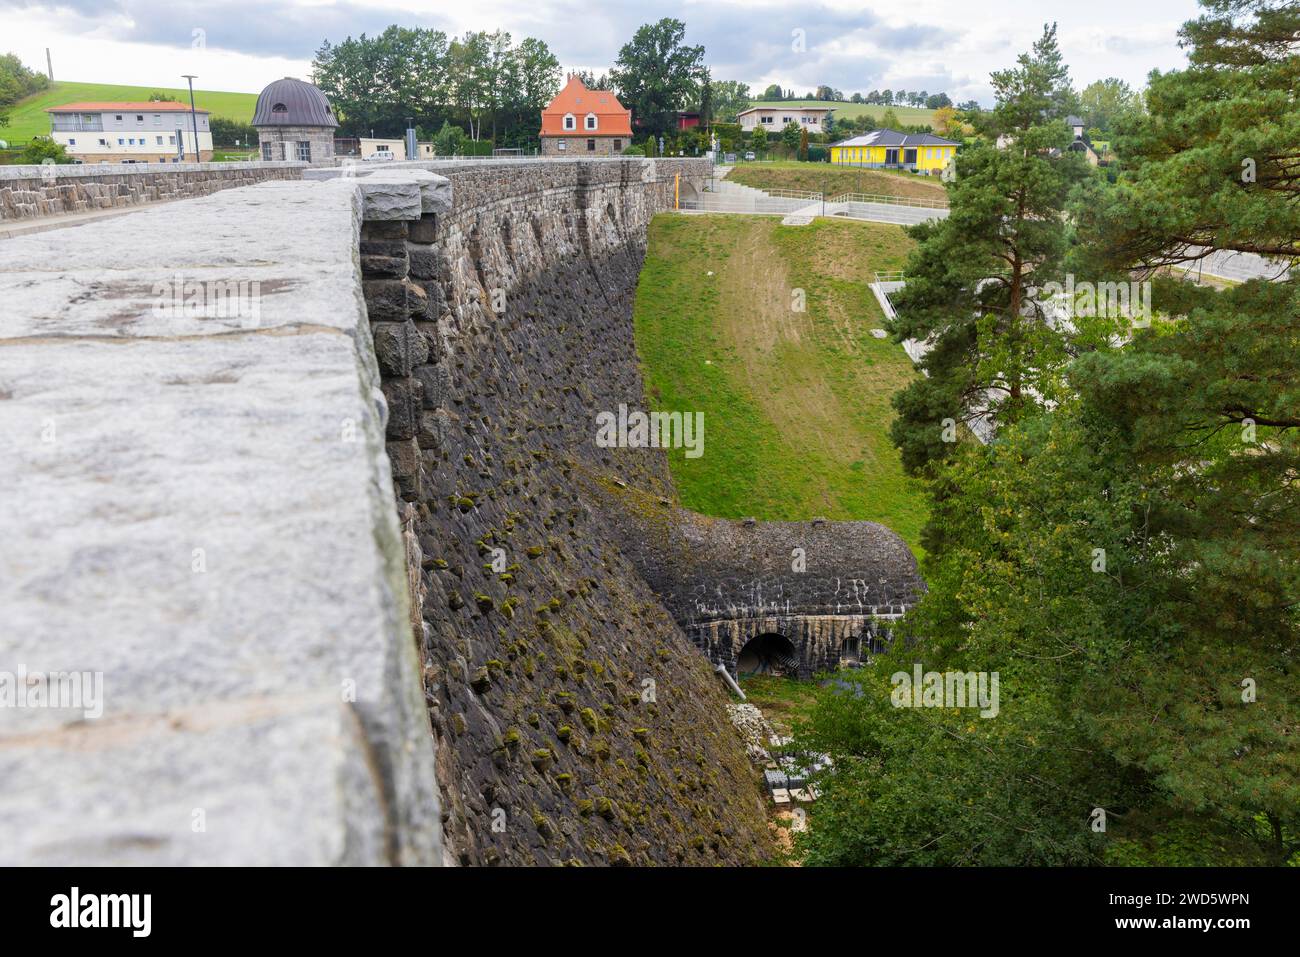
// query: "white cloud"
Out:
[930,44]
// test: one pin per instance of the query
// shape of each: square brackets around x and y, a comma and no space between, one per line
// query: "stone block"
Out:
[399,347]
[425,261]
[403,408]
[394,300]
[435,382]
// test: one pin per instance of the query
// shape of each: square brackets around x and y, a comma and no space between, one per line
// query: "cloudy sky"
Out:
[850,44]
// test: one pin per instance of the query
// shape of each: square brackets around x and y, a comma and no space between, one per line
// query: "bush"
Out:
[449,140]
[39,150]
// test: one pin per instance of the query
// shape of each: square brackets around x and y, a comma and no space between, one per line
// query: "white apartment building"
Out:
[775,118]
[130,132]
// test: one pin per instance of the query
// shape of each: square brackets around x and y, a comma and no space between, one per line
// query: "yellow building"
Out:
[890,149]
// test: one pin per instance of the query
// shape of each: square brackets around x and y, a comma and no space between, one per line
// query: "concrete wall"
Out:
[28,192]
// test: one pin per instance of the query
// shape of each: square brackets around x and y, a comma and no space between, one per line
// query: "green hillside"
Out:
[909,115]
[27,118]
[796,404]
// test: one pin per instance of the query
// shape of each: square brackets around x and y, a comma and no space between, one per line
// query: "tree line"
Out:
[485,82]
[494,89]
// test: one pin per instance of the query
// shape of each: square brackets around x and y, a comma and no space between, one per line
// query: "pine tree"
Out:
[971,283]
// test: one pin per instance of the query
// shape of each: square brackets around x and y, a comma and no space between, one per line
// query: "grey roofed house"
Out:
[887,137]
[294,121]
[291,102]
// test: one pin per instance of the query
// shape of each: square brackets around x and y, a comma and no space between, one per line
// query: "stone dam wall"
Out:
[30,192]
[219,518]
[307,487]
[574,722]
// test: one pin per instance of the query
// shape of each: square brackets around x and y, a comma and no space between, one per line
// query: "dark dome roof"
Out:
[291,102]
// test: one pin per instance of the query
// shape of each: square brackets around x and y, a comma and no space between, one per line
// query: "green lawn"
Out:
[27,118]
[796,404]
[909,115]
[831,179]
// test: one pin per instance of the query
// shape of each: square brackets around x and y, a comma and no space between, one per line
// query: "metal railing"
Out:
[890,200]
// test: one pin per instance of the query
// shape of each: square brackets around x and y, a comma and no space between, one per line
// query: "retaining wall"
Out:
[30,192]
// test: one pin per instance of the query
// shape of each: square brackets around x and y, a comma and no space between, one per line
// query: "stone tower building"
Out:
[294,121]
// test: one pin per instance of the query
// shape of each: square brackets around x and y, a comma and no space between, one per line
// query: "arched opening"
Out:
[279,108]
[851,653]
[768,654]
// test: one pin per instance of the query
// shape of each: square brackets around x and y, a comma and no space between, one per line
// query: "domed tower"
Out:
[294,121]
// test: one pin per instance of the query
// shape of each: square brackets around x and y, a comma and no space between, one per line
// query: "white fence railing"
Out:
[889,200]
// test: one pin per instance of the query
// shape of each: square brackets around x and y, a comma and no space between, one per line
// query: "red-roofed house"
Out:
[583,122]
[130,132]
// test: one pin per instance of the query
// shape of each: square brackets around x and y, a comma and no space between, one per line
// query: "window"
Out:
[131,141]
[562,146]
[591,146]
[71,141]
[786,119]
[279,108]
[618,145]
[266,152]
[139,118]
[118,116]
[103,142]
[159,140]
[570,121]
[171,140]
[766,119]
[590,122]
[119,141]
[304,150]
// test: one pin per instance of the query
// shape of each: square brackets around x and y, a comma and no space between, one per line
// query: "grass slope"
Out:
[796,405]
[909,115]
[27,117]
[833,180]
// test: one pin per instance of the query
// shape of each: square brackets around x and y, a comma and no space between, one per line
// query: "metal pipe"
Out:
[726,676]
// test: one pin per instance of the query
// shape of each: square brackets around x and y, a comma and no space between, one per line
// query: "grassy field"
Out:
[27,118]
[832,180]
[782,700]
[909,115]
[796,404]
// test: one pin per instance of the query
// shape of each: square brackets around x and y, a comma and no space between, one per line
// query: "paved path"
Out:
[1239,267]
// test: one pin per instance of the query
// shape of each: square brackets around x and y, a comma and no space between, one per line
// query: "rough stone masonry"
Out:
[360,585]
